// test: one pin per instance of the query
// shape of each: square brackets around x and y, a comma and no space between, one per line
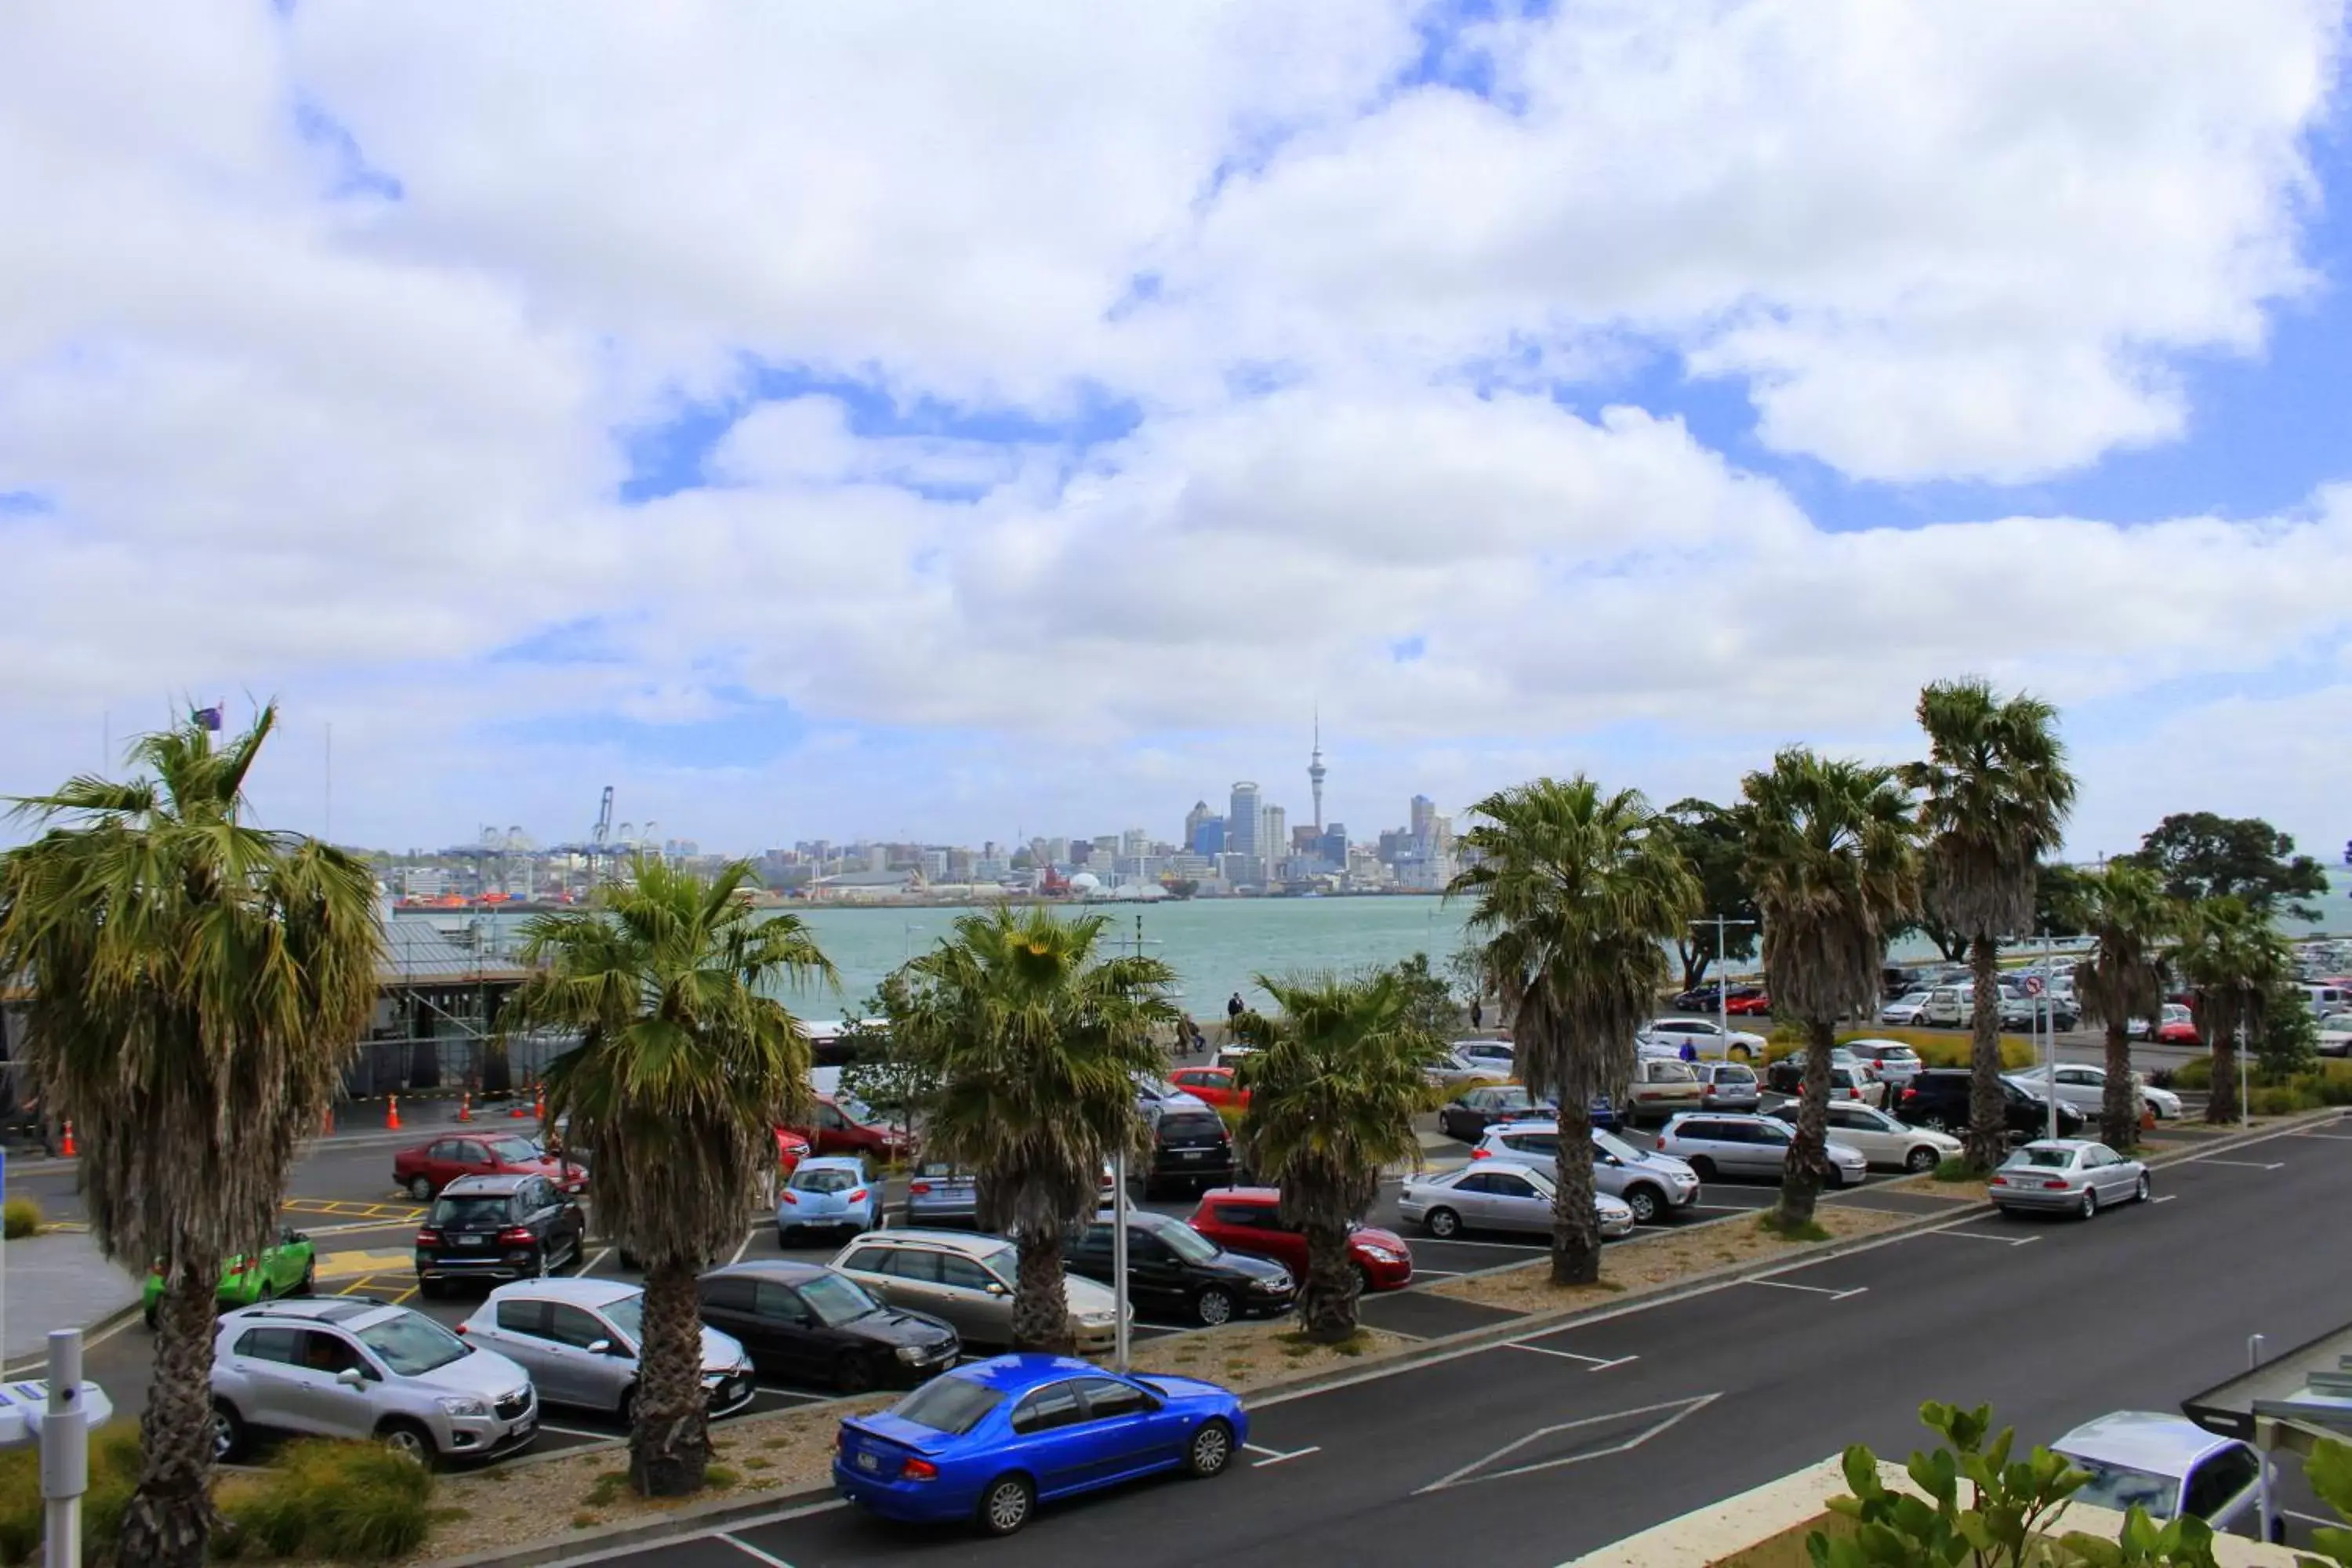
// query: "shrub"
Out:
[20,1505]
[20,1216]
[1946,1049]
[2195,1074]
[1954,1168]
[347,1503]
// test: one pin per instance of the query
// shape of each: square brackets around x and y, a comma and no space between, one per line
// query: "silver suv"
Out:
[1653,1185]
[1715,1144]
[579,1339]
[349,1367]
[967,1281]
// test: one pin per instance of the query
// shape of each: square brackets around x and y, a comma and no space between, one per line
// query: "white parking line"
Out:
[1816,1290]
[2332,1138]
[1276,1457]
[1980,1236]
[575,1432]
[2164,1197]
[1594,1362]
[2239,1165]
[2313,1518]
[741,1247]
[602,1253]
[768,1557]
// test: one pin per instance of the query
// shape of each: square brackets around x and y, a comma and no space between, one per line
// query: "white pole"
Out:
[2244,1110]
[327,828]
[1722,992]
[2269,1507]
[64,1451]
[1119,1255]
[2041,1005]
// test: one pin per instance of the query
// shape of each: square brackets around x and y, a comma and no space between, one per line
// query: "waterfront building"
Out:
[1273,839]
[1423,819]
[1208,836]
[1242,828]
[1193,819]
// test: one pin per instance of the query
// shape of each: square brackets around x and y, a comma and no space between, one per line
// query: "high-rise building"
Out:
[1425,816]
[1208,836]
[1315,773]
[1192,820]
[1135,841]
[1273,839]
[1333,846]
[1242,823]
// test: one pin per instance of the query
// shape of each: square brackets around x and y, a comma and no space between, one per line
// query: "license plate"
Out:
[1191,1153]
[868,1462]
[469,1241]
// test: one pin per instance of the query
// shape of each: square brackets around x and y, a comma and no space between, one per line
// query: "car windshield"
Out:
[834,1180]
[411,1343]
[2041,1159]
[464,1213]
[1184,1241]
[836,1301]
[1004,1261]
[2122,1488]
[628,1315]
[856,1109]
[1733,1073]
[1671,1072]
[1913,999]
[951,1404]
[515,1150]
[1610,1143]
[940,1171]
[1189,1124]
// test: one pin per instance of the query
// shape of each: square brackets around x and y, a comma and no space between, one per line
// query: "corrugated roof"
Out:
[414,952]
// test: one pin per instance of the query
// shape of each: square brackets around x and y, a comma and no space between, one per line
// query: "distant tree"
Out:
[2288,1041]
[1995,795]
[2056,898]
[893,1081]
[1429,999]
[2200,855]
[2127,911]
[1952,944]
[1023,861]
[2236,963]
[1710,838]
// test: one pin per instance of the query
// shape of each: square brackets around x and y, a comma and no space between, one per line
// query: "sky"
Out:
[949,422]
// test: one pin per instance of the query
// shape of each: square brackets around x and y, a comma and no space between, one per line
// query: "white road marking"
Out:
[741,1247]
[576,1432]
[602,1253]
[1464,1241]
[2332,1138]
[1980,1236]
[770,1558]
[2163,1198]
[781,1516]
[1437,1273]
[2239,1165]
[1682,1408]
[1816,1290]
[1275,1455]
[1594,1362]
[2313,1518]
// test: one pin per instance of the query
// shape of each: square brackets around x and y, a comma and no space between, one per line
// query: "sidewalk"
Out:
[57,1280]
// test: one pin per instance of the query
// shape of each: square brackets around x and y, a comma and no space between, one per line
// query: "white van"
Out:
[2326,999]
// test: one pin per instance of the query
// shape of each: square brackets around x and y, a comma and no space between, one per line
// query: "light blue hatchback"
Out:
[830,1193]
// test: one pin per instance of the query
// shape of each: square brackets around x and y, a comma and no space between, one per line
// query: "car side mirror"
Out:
[995,1287]
[352,1377]
[600,1347]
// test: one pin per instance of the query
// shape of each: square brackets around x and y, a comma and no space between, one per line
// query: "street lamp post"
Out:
[1722,989]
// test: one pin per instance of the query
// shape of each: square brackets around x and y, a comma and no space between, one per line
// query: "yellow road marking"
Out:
[398,1213]
[395,1288]
[357,1265]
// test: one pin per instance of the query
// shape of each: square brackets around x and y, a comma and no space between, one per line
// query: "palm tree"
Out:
[1333,1087]
[2232,958]
[198,984]
[2126,911]
[1832,852]
[1996,796]
[1575,893]
[686,1065]
[1034,1042]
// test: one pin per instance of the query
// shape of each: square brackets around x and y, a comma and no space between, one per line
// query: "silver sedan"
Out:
[1493,1196]
[2067,1175]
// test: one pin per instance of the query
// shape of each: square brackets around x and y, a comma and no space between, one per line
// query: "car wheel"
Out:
[1738,1054]
[409,1440]
[1645,1202]
[431,1289]
[1213,1306]
[852,1372]
[1441,1222]
[1363,1280]
[420,1189]
[229,1431]
[1923,1158]
[1210,1450]
[1701,1167]
[2089,1202]
[2140,1192]
[1006,1504]
[538,1266]
[310,1282]
[1935,1121]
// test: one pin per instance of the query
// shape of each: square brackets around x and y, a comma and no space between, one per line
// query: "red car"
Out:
[1748,1001]
[1245,1219]
[1212,1086]
[2177,1034]
[790,1149]
[427,1168]
[845,1127]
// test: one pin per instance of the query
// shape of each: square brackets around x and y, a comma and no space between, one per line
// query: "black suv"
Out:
[1190,1147]
[1937,1099]
[1174,1272]
[807,1323]
[497,1228]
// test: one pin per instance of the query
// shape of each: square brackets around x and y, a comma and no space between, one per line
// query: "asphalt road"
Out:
[1534,1452]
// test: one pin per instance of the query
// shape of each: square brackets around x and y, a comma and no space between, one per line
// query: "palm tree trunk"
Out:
[1988,1120]
[2222,1104]
[1041,1302]
[670,1443]
[1575,1225]
[1327,1299]
[2118,1125]
[168,1523]
[1808,1165]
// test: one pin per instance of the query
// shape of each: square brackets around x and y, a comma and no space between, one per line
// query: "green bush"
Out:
[20,1216]
[2196,1073]
[346,1503]
[113,1476]
[20,1505]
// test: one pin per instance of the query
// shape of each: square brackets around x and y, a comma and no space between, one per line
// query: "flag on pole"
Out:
[209,717]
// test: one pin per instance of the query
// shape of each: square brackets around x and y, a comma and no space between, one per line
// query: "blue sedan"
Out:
[827,1193]
[988,1441]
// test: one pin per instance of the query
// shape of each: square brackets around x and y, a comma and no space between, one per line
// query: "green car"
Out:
[284,1269]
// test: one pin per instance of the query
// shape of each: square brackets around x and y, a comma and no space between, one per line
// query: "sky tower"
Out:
[1315,773]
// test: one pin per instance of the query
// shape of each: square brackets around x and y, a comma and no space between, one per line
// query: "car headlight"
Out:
[456,1404]
[1383,1254]
[912,1355]
[1277,1283]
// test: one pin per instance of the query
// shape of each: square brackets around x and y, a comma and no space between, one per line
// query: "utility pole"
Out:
[1722,989]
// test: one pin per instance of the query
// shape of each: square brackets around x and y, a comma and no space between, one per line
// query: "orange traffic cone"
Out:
[465,1107]
[328,1127]
[66,1150]
[391,1113]
[2147,1118]
[538,1106]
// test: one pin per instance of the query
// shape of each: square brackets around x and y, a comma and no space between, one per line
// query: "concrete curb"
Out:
[704,1519]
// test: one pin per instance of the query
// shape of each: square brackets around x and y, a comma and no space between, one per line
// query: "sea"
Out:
[1217,946]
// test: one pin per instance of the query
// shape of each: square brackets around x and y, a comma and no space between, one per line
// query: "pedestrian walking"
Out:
[1235,1009]
[1689,1052]
[1478,1015]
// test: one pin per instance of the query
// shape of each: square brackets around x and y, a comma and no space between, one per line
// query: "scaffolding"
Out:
[439,992]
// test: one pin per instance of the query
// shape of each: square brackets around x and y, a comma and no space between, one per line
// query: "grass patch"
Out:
[1955,1168]
[607,1487]
[1770,1224]
[1296,1343]
[345,1502]
[20,1217]
[583,1519]
[756,1463]
[719,1477]
[450,1515]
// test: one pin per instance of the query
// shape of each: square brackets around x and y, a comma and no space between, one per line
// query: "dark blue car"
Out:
[988,1441]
